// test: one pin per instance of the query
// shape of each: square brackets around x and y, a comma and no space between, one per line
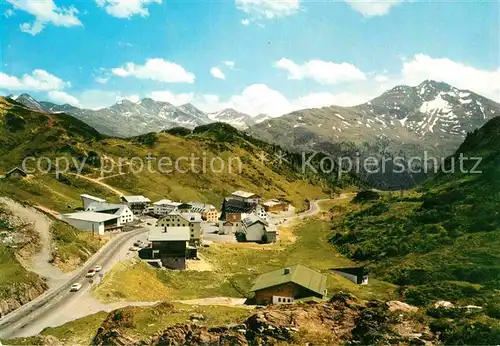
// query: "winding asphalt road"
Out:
[36,310]
[31,318]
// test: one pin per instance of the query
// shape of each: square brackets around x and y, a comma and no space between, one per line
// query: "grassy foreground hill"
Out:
[205,164]
[443,241]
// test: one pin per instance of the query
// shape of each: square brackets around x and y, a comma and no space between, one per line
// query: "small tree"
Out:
[264,239]
[241,237]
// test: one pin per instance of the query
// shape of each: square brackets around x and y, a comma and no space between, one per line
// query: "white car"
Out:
[97,268]
[90,273]
[76,287]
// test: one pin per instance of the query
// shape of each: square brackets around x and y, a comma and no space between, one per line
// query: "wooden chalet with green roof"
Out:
[289,284]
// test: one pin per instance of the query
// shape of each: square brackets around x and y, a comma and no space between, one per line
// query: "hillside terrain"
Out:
[405,122]
[110,165]
[442,242]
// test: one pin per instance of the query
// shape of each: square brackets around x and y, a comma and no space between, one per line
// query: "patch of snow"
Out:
[319,125]
[435,106]
[300,118]
[464,94]
[482,109]
[340,116]
[464,102]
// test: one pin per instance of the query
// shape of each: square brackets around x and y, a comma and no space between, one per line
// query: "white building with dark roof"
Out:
[191,220]
[125,215]
[165,206]
[258,230]
[138,204]
[98,223]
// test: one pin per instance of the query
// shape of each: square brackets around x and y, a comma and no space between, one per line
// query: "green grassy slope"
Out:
[440,243]
[25,133]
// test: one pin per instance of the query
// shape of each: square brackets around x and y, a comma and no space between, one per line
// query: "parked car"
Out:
[97,268]
[90,273]
[76,287]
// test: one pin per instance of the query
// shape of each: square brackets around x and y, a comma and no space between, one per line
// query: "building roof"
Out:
[16,169]
[252,219]
[357,271]
[93,198]
[90,216]
[298,274]
[191,217]
[198,207]
[136,199]
[169,234]
[271,229]
[167,202]
[273,202]
[100,207]
[244,194]
[235,206]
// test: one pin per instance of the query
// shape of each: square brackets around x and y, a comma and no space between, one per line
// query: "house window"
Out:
[279,300]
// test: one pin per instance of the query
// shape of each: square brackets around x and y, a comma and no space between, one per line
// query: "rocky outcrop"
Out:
[19,295]
[344,319]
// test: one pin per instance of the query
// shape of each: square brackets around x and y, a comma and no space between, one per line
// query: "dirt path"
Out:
[224,301]
[111,176]
[40,261]
[286,228]
[97,181]
[52,212]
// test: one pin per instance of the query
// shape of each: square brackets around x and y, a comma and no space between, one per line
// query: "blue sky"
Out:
[258,56]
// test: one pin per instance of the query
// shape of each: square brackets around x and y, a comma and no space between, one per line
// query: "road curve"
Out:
[27,314]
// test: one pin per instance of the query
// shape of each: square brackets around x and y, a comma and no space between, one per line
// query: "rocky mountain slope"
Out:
[432,115]
[126,118]
[430,119]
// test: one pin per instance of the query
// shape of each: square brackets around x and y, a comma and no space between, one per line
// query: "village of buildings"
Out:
[176,230]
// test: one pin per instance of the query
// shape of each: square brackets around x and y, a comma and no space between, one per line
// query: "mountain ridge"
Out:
[146,115]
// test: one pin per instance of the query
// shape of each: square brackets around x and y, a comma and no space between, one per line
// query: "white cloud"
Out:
[267,9]
[217,73]
[229,64]
[126,8]
[132,98]
[61,97]
[381,78]
[39,80]
[422,67]
[323,72]
[245,21]
[170,97]
[156,69]
[371,8]
[96,98]
[102,80]
[9,13]
[45,12]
